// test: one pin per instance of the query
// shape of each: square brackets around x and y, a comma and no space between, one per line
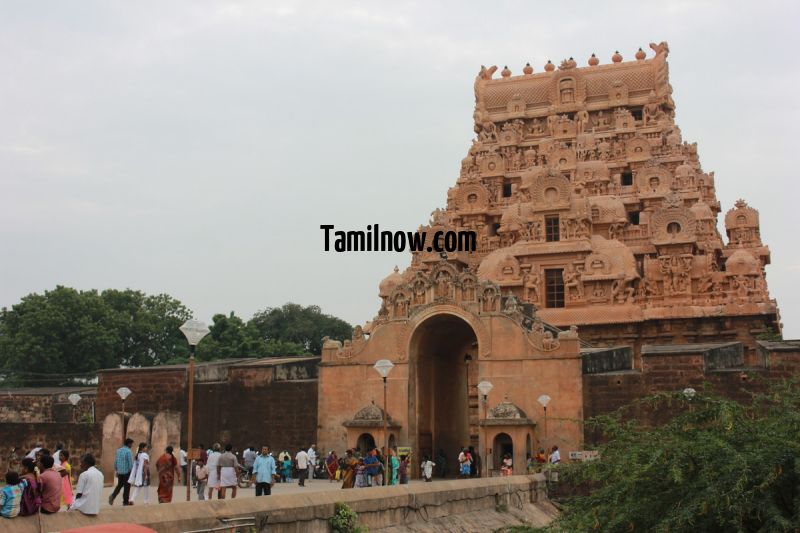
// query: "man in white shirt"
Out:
[312,461]
[213,476]
[57,455]
[183,463]
[301,459]
[555,456]
[89,492]
[34,451]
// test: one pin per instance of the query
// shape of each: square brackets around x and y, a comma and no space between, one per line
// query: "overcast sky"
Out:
[195,148]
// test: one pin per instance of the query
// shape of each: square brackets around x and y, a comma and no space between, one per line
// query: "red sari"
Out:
[166,466]
[332,465]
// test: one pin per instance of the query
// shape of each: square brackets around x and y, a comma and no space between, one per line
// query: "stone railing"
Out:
[463,505]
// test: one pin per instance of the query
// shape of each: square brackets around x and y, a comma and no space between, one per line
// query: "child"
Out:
[286,471]
[65,470]
[427,469]
[11,495]
[506,469]
[403,470]
[361,474]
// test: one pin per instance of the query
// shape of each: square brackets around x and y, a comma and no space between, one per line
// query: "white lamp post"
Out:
[383,367]
[74,398]
[194,331]
[485,387]
[123,393]
[544,399]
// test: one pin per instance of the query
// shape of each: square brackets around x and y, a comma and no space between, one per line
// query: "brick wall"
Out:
[154,389]
[77,438]
[274,404]
[724,369]
[21,405]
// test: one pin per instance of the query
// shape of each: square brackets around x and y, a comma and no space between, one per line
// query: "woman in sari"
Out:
[66,478]
[394,467]
[167,467]
[331,465]
[349,472]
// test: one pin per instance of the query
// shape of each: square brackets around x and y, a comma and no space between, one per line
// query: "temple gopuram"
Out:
[597,241]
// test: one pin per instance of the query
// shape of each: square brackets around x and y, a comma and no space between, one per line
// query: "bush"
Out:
[345,520]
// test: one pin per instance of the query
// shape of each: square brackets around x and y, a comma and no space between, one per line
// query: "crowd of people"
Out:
[42,482]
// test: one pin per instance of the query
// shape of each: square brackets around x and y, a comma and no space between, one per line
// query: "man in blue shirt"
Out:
[123,464]
[264,469]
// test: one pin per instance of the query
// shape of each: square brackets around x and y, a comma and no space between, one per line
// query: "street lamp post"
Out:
[123,393]
[383,367]
[544,399]
[194,331]
[74,398]
[485,387]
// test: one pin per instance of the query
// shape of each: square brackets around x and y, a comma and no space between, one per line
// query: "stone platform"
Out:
[458,505]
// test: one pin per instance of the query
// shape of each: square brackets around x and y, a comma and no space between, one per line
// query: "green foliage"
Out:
[769,335]
[717,465]
[231,337]
[63,334]
[47,336]
[345,520]
[305,326]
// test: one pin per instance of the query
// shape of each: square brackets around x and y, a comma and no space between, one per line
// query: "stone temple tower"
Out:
[590,206]
[595,224]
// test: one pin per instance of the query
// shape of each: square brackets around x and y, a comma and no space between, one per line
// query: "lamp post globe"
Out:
[194,331]
[383,367]
[485,387]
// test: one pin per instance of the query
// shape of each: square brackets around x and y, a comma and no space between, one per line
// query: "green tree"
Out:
[47,337]
[305,326]
[717,465]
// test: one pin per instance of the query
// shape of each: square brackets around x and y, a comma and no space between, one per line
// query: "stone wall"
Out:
[243,401]
[77,438]
[47,404]
[467,505]
[668,368]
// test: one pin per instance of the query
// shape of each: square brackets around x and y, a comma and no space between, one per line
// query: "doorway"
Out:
[365,443]
[502,445]
[443,354]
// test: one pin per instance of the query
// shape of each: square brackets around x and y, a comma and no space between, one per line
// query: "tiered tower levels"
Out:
[588,204]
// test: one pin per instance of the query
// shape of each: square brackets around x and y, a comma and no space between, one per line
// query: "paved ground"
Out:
[179,493]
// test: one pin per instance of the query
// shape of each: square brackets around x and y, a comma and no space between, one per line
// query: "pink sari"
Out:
[66,485]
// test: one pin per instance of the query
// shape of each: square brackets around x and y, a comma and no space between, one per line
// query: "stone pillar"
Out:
[112,439]
[166,432]
[138,430]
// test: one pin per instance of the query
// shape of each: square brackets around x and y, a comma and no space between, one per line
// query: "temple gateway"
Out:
[598,249]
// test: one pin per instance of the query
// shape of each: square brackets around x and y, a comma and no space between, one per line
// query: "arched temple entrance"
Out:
[503,444]
[366,442]
[443,355]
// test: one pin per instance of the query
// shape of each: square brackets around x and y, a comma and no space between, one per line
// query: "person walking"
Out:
[301,459]
[464,463]
[286,468]
[427,469]
[167,467]
[89,491]
[201,475]
[312,461]
[211,465]
[249,458]
[123,464]
[331,466]
[394,467]
[227,469]
[402,471]
[140,475]
[184,465]
[264,470]
[349,470]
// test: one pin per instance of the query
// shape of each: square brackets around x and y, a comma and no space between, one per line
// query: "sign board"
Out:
[584,455]
[403,450]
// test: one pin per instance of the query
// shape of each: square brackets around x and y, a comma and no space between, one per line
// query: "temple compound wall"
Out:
[599,276]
